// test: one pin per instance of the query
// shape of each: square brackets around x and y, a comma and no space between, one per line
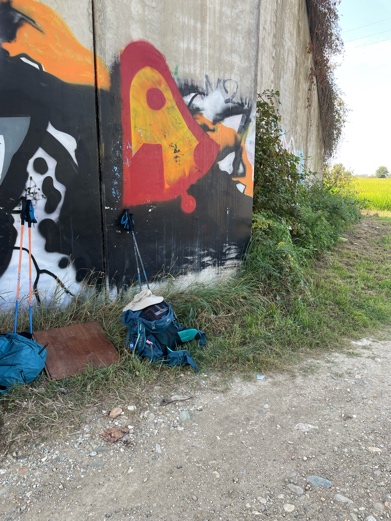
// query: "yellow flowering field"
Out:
[374,191]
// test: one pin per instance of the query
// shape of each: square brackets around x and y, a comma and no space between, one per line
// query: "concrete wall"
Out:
[48,149]
[191,216]
[145,106]
[284,65]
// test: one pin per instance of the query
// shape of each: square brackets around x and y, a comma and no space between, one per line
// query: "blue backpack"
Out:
[21,360]
[154,333]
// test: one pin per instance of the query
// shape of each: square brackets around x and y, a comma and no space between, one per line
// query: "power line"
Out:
[368,36]
[362,26]
[372,43]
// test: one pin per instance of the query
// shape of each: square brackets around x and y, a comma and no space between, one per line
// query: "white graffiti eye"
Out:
[43,186]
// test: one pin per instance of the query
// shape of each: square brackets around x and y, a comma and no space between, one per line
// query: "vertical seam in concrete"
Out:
[258,36]
[99,141]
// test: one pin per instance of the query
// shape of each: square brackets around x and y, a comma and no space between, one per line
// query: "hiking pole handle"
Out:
[127,221]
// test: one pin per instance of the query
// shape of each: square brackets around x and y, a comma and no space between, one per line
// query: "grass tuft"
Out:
[249,326]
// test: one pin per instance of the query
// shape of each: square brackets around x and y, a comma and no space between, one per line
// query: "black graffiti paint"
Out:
[52,195]
[11,20]
[27,91]
[171,241]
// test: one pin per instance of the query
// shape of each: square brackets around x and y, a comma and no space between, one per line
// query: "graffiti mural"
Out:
[48,146]
[187,167]
[229,122]
[85,141]
[164,150]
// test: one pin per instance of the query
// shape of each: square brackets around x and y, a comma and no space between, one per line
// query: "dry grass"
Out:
[348,292]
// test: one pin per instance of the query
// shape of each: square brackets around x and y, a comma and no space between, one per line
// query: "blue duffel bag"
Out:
[21,360]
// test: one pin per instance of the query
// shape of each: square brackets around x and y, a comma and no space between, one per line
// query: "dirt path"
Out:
[311,445]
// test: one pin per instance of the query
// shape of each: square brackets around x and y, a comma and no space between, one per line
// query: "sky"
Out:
[364,77]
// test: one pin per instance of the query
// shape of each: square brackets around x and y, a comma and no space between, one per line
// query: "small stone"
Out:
[93,453]
[114,413]
[317,481]
[342,499]
[158,448]
[374,450]
[289,508]
[3,491]
[132,408]
[262,500]
[296,489]
[379,507]
[304,427]
[370,518]
[194,498]
[97,464]
[184,416]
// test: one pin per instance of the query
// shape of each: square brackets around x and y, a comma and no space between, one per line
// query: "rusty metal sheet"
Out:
[71,349]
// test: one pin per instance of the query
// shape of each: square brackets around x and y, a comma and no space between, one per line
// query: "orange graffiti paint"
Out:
[228,140]
[56,48]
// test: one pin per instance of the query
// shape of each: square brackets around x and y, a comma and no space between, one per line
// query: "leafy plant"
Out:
[297,215]
[325,44]
[338,179]
[277,177]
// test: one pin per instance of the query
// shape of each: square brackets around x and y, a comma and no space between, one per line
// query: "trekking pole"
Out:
[127,222]
[30,218]
[22,216]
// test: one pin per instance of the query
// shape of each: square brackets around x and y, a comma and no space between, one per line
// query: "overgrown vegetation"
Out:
[326,43]
[297,215]
[303,287]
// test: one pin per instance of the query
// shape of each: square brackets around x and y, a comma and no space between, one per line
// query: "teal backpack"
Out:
[21,360]
[155,333]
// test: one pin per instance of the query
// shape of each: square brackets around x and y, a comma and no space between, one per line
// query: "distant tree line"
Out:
[382,172]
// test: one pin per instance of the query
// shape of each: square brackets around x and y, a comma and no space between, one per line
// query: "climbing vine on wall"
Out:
[326,43]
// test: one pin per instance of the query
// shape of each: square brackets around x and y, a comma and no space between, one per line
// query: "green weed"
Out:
[300,290]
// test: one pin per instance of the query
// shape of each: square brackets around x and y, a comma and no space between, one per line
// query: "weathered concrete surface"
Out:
[198,38]
[284,65]
[193,192]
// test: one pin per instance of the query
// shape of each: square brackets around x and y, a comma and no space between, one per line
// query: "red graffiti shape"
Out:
[164,150]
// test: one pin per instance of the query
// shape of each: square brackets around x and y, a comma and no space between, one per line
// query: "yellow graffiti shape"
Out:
[156,119]
[56,48]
